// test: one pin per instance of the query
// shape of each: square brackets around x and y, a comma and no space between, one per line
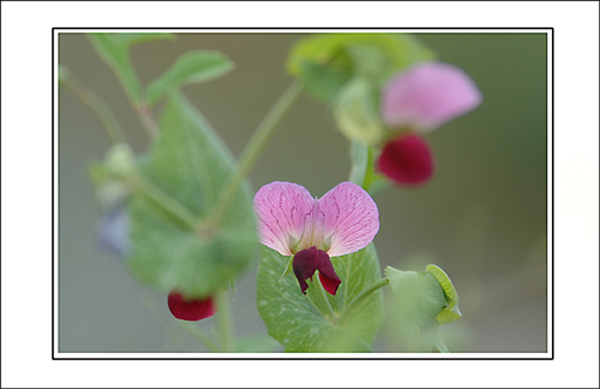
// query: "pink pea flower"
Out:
[420,100]
[292,222]
[190,309]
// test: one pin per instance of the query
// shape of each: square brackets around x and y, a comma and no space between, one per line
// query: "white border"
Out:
[26,243]
[390,356]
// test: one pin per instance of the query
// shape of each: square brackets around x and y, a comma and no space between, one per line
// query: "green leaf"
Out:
[192,67]
[134,39]
[257,344]
[420,296]
[356,112]
[322,81]
[189,163]
[326,61]
[303,323]
[116,53]
[451,312]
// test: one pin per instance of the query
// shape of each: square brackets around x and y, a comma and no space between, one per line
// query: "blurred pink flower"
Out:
[418,101]
[190,309]
[428,95]
[292,222]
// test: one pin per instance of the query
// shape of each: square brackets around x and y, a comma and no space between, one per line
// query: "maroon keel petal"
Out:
[191,310]
[407,160]
[305,265]
[307,261]
[329,279]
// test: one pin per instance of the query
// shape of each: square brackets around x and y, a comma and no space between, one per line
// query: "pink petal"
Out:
[407,160]
[428,95]
[190,309]
[348,219]
[285,212]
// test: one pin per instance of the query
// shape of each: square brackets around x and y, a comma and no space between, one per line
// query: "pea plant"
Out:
[186,221]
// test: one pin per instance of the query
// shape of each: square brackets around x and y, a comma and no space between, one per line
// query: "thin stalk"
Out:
[200,335]
[261,136]
[224,323]
[324,299]
[145,115]
[163,323]
[363,296]
[108,119]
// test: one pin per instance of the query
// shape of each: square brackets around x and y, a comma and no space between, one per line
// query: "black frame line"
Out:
[56,358]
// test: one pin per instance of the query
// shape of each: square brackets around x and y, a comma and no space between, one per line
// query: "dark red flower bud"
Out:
[190,309]
[307,261]
[407,160]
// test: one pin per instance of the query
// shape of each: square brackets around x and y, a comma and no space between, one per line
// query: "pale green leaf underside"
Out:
[190,164]
[301,323]
[420,296]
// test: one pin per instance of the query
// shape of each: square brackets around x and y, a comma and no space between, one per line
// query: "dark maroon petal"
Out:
[191,310]
[327,275]
[307,261]
[305,265]
[407,160]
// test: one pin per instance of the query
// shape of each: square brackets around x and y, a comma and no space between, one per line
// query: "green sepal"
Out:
[288,268]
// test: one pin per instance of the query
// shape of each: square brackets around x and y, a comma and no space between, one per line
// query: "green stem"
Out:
[324,299]
[370,169]
[362,296]
[108,119]
[163,323]
[224,323]
[199,335]
[259,139]
[145,115]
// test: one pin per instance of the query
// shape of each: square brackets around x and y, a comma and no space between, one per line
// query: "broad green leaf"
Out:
[116,53]
[189,163]
[135,38]
[420,296]
[303,323]
[192,67]
[356,112]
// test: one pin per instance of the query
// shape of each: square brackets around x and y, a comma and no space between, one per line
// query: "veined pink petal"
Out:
[428,95]
[348,218]
[285,212]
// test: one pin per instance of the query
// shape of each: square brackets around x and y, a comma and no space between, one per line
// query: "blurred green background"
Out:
[482,218]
